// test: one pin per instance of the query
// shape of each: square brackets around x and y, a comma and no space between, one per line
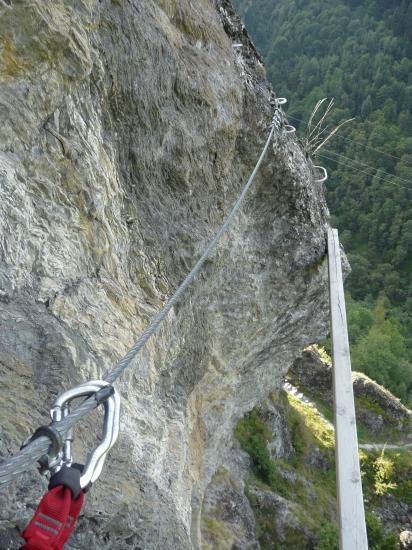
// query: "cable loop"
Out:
[325,174]
[289,129]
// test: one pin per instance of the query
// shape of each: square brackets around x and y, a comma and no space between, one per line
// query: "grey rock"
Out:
[394,514]
[312,374]
[283,527]
[273,413]
[376,407]
[227,518]
[128,129]
[405,539]
[386,408]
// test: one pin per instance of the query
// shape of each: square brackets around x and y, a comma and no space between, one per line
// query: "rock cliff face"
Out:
[127,131]
[377,409]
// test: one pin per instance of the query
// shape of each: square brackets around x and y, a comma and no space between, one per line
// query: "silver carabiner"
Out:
[111,423]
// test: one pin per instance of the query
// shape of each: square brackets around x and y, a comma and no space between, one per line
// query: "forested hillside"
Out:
[359,52]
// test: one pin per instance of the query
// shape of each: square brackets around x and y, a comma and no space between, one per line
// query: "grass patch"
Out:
[311,434]
[366,402]
[308,478]
[313,425]
[377,538]
[253,436]
[389,431]
[387,434]
[402,474]
[325,409]
[265,517]
[218,533]
[323,353]
[311,487]
[328,536]
[265,523]
[386,472]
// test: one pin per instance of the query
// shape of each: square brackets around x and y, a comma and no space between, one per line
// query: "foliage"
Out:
[317,132]
[380,471]
[253,436]
[403,475]
[388,472]
[379,347]
[328,536]
[358,52]
[377,538]
[384,468]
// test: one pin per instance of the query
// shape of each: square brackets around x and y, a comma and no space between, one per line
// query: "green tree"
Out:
[360,52]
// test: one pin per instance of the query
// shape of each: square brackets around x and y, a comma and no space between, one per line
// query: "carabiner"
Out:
[95,460]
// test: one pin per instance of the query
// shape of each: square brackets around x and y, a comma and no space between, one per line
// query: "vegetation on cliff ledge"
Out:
[307,479]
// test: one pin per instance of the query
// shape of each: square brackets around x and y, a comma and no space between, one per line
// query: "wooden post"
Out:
[352,528]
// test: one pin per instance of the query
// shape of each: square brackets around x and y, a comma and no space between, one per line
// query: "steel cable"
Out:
[357,169]
[388,174]
[362,144]
[12,467]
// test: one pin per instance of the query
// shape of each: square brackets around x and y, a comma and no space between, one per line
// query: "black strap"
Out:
[69,477]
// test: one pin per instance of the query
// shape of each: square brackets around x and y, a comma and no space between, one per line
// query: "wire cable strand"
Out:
[357,169]
[368,166]
[12,467]
[354,141]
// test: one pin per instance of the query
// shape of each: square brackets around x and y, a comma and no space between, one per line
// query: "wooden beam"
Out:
[352,528]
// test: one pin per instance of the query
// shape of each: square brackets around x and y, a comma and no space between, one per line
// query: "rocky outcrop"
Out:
[280,521]
[313,373]
[128,129]
[376,408]
[228,521]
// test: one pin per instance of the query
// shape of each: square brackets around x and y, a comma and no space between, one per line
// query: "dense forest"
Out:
[360,53]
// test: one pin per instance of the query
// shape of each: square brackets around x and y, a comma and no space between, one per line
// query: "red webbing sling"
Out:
[53,521]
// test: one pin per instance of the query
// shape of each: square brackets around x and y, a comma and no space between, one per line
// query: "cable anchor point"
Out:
[325,174]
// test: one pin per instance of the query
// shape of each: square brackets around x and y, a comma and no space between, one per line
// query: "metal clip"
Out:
[111,403]
[325,174]
[289,129]
[52,459]
[280,101]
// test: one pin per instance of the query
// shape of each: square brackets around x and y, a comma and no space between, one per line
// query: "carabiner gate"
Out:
[111,423]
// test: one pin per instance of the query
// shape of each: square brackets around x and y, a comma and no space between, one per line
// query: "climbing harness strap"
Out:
[54,520]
